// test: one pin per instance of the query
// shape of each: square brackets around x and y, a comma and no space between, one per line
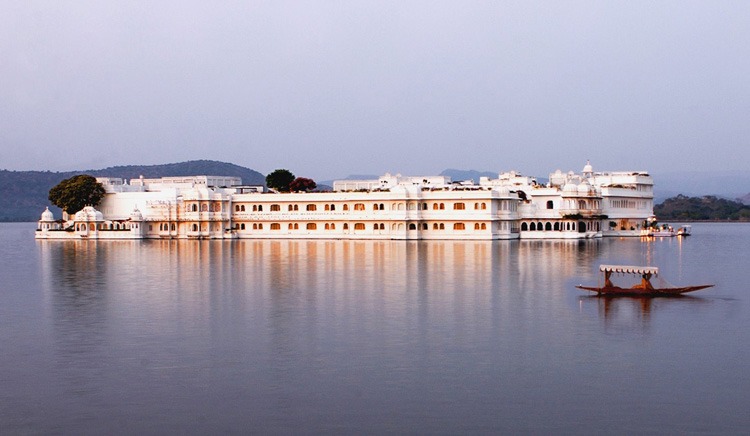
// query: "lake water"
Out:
[204,337]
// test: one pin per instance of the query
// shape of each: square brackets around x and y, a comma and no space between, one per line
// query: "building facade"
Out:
[512,206]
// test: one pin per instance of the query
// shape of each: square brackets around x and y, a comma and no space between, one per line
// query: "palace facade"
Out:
[569,206]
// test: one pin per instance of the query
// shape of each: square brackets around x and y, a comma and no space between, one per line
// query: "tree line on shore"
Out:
[706,208]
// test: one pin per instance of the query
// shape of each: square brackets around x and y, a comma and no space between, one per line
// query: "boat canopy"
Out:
[626,269]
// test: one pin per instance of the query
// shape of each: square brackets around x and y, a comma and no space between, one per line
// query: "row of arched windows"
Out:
[82,227]
[345,207]
[204,207]
[557,226]
[361,226]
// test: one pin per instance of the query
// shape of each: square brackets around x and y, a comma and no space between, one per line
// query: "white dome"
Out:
[88,213]
[588,168]
[47,215]
[136,215]
[502,190]
[584,188]
[570,188]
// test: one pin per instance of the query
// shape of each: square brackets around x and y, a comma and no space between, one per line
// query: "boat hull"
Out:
[655,292]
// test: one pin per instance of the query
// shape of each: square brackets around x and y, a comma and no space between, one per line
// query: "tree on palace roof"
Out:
[77,192]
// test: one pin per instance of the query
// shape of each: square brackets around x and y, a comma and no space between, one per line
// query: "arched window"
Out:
[459,226]
[346,206]
[290,208]
[255,226]
[275,226]
[412,226]
[204,207]
[442,226]
[236,207]
[333,207]
[275,208]
[550,204]
[435,206]
[195,227]
[548,226]
[424,206]
[424,226]
[459,206]
[375,226]
[333,226]
[484,206]
[435,226]
[312,208]
[327,226]
[174,227]
[557,226]
[375,206]
[484,226]
[359,226]
[312,226]
[476,226]
[382,206]
[327,208]
[532,227]
[442,206]
[476,206]
[359,206]
[346,225]
[242,226]
[296,226]
[195,208]
[290,226]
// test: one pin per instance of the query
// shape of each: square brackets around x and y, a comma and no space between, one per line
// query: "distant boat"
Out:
[644,288]
[666,230]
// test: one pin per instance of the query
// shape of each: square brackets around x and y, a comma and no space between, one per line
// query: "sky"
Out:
[328,89]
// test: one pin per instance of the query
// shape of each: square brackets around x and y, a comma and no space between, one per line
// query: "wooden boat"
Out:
[644,288]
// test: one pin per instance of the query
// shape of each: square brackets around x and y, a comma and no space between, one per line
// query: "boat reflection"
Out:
[630,311]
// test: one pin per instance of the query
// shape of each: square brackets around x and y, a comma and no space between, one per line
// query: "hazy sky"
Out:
[332,88]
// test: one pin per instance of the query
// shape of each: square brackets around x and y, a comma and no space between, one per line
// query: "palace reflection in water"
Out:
[386,336]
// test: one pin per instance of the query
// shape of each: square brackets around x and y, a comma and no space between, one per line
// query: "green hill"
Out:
[706,208]
[24,193]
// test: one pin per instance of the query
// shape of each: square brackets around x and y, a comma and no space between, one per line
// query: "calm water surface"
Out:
[204,337]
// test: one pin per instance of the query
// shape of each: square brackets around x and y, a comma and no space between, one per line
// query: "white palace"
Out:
[570,206]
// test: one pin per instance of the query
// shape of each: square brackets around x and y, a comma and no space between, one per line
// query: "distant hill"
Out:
[726,184]
[461,175]
[745,199]
[708,207]
[24,193]
[328,184]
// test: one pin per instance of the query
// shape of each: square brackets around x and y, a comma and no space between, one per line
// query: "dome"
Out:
[588,168]
[570,188]
[136,215]
[502,190]
[584,188]
[47,215]
[88,213]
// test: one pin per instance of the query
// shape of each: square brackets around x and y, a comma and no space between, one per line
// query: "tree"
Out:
[77,192]
[302,184]
[280,180]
